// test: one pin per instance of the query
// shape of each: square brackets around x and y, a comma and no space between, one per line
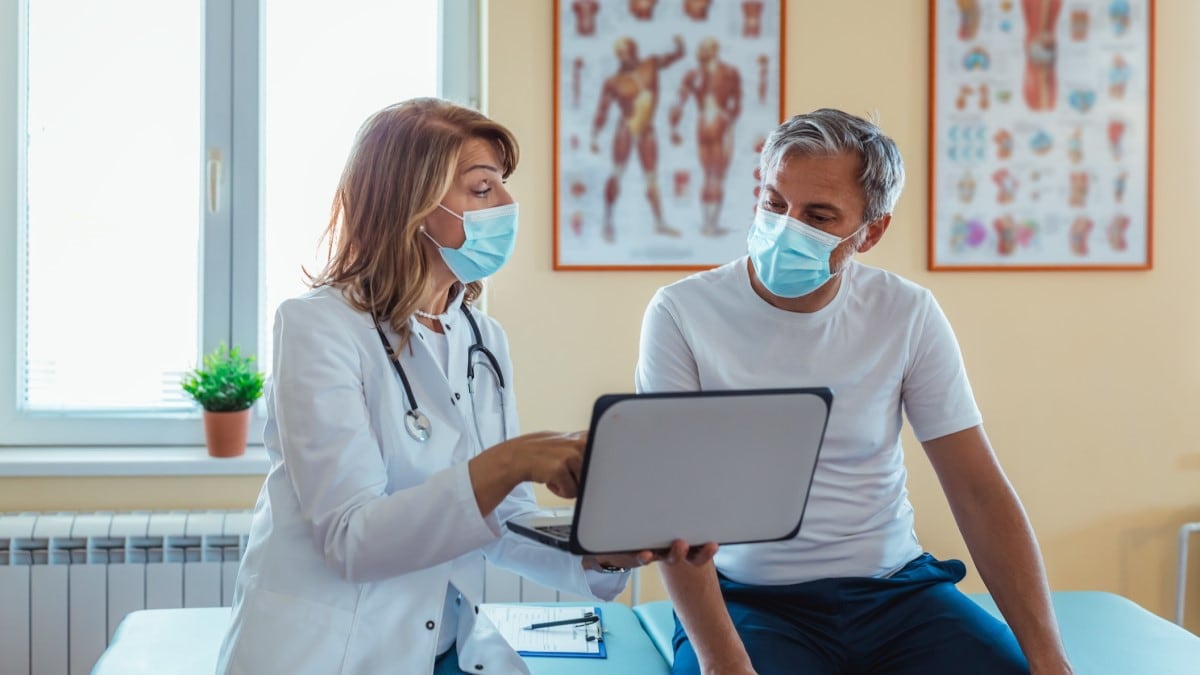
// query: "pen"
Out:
[588,618]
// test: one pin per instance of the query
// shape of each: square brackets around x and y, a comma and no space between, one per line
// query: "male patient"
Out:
[853,592]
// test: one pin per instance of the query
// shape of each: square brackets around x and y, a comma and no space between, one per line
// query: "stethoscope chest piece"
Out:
[417,425]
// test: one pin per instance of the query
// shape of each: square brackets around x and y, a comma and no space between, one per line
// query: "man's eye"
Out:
[775,206]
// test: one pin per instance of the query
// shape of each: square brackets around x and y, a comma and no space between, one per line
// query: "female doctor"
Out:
[392,426]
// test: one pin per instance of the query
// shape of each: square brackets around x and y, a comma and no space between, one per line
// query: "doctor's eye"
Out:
[484,188]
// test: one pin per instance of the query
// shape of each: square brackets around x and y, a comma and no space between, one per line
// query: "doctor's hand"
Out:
[551,458]
[548,457]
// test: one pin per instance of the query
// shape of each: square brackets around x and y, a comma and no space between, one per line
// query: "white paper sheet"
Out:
[511,620]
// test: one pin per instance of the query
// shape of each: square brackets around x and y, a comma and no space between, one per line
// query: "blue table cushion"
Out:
[1104,634]
[658,621]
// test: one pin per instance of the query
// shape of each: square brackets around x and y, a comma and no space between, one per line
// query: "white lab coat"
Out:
[358,528]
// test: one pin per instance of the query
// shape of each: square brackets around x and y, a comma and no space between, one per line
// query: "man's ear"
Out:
[875,232]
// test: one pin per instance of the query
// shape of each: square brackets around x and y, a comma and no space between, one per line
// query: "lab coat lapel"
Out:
[458,334]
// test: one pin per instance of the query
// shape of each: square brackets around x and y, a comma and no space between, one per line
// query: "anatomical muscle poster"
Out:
[661,108]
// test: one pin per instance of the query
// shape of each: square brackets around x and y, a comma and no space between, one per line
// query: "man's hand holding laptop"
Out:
[679,552]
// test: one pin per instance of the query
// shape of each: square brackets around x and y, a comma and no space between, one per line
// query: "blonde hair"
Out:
[401,166]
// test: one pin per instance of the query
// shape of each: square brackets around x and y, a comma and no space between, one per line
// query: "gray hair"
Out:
[832,132]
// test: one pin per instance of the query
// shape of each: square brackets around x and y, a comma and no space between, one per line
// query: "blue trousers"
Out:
[914,621]
[447,664]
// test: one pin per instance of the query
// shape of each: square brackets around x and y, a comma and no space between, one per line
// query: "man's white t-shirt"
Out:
[882,343]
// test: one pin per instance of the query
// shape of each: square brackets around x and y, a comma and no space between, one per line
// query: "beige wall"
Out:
[1088,381]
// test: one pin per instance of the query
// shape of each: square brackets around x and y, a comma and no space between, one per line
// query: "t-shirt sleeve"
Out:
[936,393]
[665,361]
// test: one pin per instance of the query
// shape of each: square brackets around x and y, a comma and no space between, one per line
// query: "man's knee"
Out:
[956,632]
[991,649]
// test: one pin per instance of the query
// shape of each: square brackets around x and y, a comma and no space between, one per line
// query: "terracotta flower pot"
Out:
[226,432]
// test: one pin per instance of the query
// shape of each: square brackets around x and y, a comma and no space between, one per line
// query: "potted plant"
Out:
[226,385]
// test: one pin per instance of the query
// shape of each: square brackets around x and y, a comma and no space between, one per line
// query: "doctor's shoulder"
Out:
[489,327]
[323,309]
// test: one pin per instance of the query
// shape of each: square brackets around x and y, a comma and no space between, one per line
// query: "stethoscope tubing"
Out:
[416,423]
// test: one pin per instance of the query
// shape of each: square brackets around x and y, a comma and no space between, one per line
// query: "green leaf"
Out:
[226,381]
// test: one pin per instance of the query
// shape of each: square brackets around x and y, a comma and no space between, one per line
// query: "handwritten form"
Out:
[511,620]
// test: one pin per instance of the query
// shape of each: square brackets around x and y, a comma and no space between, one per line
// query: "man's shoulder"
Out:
[704,285]
[878,286]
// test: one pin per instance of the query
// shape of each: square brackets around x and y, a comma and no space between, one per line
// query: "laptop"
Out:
[730,466]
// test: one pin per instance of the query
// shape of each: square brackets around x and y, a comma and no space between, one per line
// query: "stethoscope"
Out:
[415,422]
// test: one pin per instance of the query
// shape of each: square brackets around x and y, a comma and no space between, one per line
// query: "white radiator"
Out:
[67,579]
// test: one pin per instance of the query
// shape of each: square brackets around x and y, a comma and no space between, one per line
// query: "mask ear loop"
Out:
[430,237]
[845,239]
[855,234]
[440,206]
[425,230]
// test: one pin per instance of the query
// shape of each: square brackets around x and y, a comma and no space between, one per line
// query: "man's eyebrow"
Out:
[824,206]
[811,206]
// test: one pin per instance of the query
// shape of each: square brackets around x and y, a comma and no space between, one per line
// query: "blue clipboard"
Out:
[598,627]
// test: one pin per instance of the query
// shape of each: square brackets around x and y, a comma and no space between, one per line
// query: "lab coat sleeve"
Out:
[335,465]
[665,360]
[546,565]
[538,562]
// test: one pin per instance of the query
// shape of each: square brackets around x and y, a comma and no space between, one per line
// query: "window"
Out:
[174,167]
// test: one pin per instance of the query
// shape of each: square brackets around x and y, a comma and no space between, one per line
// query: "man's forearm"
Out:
[1001,541]
[696,596]
[1006,553]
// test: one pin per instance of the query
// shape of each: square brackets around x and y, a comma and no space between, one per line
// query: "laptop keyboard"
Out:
[559,531]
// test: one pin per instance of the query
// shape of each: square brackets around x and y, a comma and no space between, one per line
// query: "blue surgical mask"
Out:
[491,237]
[791,258]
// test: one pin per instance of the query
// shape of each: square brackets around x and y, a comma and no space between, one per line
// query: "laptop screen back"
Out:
[724,466]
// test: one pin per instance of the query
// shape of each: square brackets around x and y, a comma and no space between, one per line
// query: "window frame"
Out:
[232,234]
